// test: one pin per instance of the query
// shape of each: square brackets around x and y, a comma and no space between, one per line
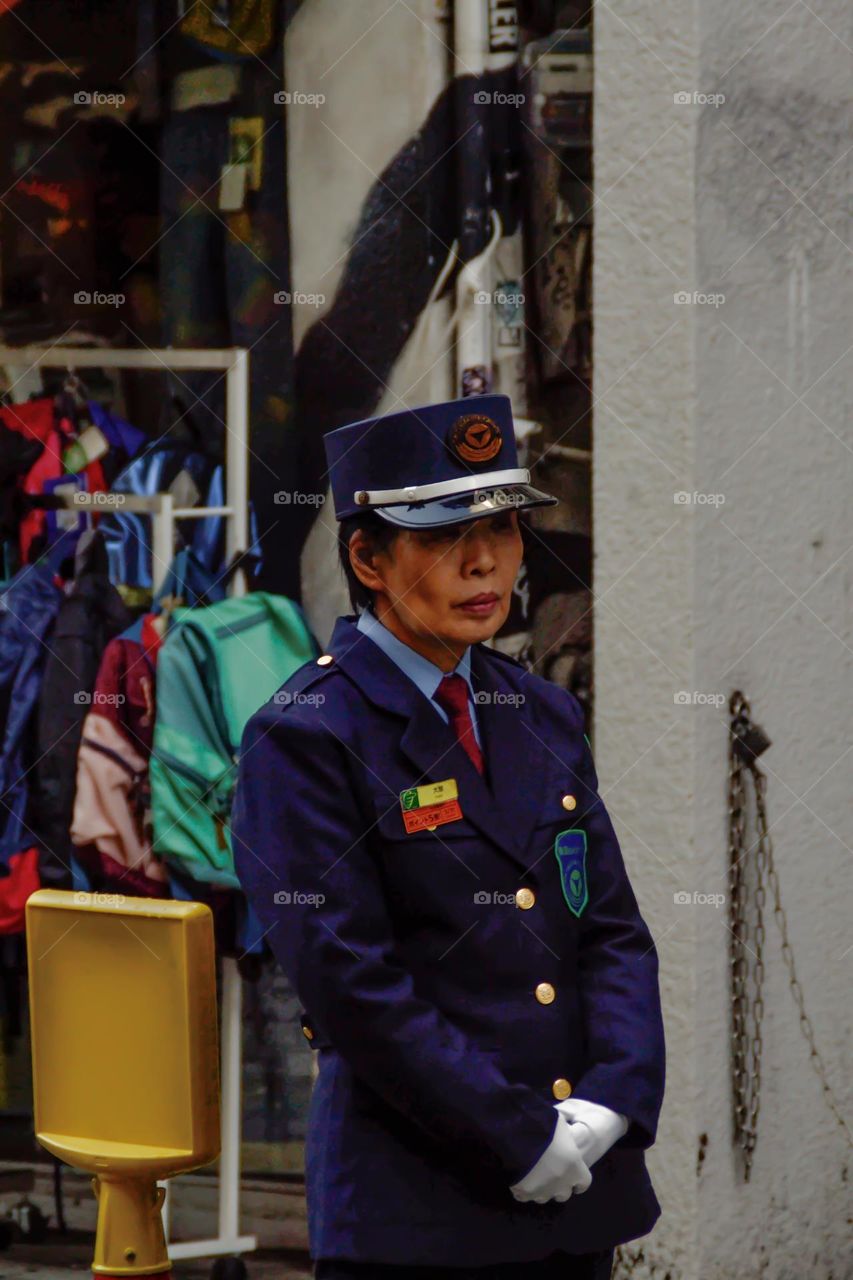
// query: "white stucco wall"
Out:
[749,199]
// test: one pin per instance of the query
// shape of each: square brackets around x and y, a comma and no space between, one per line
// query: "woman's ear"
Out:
[361,559]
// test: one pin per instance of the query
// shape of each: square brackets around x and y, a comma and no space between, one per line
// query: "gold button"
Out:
[324,660]
[569,802]
[525,899]
[561,1089]
[545,993]
[308,1033]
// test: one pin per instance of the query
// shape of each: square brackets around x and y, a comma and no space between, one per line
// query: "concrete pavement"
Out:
[61,1260]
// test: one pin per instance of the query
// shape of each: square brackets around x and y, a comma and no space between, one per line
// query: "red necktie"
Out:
[452,695]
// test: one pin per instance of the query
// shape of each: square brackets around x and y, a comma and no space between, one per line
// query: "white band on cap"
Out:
[441,488]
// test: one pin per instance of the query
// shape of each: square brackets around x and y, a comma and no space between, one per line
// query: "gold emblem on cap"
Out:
[475,438]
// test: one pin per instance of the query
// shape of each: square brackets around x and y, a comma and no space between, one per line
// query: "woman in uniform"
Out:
[418,826]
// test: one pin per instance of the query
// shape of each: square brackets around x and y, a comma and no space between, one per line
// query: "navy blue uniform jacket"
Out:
[437,1058]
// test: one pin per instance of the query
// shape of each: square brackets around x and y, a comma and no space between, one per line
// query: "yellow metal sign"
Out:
[125,1052]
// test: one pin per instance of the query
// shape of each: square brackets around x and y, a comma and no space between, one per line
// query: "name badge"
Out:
[430,805]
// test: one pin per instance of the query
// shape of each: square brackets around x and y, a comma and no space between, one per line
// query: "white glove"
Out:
[594,1128]
[558,1172]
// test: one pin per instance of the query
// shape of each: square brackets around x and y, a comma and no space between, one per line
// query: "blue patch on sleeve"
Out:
[570,851]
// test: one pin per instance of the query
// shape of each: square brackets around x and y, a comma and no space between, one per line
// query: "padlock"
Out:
[750,740]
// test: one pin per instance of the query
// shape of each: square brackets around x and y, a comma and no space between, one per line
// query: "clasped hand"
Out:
[583,1133]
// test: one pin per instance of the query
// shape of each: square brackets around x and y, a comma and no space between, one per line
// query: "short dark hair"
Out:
[380,534]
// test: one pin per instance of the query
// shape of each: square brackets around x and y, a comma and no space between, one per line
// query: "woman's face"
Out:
[440,590]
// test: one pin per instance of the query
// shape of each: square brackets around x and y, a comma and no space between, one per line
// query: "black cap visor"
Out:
[457,507]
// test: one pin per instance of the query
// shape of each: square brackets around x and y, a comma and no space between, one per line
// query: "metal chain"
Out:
[746,1012]
[817,1062]
[748,979]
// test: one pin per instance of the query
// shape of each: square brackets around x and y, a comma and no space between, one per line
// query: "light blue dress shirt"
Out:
[425,674]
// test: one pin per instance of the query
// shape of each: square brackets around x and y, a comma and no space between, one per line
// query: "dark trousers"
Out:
[557,1266]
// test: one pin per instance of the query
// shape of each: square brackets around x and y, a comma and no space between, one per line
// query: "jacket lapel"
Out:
[520,765]
[499,809]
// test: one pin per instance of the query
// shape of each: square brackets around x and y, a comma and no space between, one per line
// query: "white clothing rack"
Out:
[234,361]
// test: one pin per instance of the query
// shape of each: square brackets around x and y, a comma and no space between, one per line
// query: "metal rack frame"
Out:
[234,361]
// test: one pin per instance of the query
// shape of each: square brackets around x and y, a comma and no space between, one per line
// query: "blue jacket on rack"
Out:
[29,606]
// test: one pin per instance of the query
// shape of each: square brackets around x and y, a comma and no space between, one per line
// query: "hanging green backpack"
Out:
[215,668]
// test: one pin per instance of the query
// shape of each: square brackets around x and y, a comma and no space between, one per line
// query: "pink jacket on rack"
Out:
[111,827]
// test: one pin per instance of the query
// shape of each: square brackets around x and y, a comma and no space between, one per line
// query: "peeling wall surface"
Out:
[722,174]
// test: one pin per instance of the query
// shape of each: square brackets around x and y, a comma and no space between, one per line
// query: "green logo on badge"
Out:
[570,851]
[409,799]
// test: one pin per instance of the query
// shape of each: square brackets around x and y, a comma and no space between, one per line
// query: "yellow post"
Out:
[125,1055]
